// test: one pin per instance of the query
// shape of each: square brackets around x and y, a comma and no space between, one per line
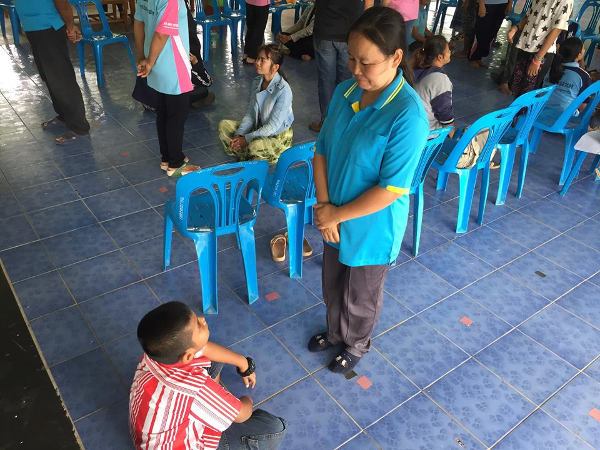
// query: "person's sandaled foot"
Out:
[343,363]
[52,122]
[165,165]
[185,169]
[319,343]
[278,247]
[67,138]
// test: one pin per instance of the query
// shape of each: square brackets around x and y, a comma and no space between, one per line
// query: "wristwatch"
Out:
[538,59]
[250,370]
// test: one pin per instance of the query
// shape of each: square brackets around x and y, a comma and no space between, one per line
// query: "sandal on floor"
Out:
[319,343]
[306,248]
[165,164]
[185,169]
[54,121]
[343,363]
[67,138]
[278,247]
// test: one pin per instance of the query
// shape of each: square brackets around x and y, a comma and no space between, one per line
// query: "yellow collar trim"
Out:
[350,90]
[395,92]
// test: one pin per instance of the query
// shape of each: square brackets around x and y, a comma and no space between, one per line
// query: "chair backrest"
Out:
[534,102]
[231,6]
[584,116]
[496,123]
[226,185]
[592,24]
[525,8]
[85,23]
[295,162]
[432,148]
[201,13]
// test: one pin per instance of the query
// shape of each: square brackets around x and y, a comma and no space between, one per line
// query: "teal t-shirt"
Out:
[378,146]
[36,15]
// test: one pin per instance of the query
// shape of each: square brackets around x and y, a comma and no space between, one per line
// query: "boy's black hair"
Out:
[164,333]
[567,52]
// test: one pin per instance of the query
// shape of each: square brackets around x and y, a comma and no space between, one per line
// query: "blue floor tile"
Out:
[420,424]
[572,255]
[465,322]
[134,228]
[158,191]
[276,367]
[98,182]
[506,298]
[583,302]
[116,203]
[77,165]
[581,198]
[485,405]
[541,432]
[455,265]
[125,353]
[148,255]
[88,383]
[26,261]
[527,366]
[541,275]
[392,314]
[376,389]
[312,416]
[77,245]
[120,155]
[361,442]
[182,283]
[46,195]
[594,370]
[61,219]
[107,429]
[63,335]
[584,233]
[420,352]
[523,229]
[43,294]
[553,214]
[84,281]
[8,205]
[32,174]
[311,275]
[15,231]
[426,287]
[116,314]
[574,407]
[141,171]
[564,334]
[491,246]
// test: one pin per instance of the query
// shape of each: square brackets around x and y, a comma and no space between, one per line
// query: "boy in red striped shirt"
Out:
[176,401]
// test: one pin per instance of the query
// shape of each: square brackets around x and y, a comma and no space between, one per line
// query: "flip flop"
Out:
[54,121]
[185,169]
[67,138]
[165,165]
[278,247]
[306,248]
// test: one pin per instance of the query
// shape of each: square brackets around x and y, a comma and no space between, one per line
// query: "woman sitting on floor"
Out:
[298,39]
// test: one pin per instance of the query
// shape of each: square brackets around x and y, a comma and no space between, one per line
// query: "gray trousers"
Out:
[354,298]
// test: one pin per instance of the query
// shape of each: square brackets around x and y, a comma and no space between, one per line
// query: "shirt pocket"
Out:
[367,150]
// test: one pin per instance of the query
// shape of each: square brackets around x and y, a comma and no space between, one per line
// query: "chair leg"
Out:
[507,161]
[2,22]
[442,20]
[167,241]
[294,217]
[233,29]
[205,43]
[442,180]
[81,54]
[131,58]
[536,135]
[99,65]
[15,25]
[248,248]
[417,219]
[589,54]
[206,249]
[483,195]
[525,150]
[568,159]
[467,180]
[574,172]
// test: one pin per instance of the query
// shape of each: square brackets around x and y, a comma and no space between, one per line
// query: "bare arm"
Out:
[139,35]
[66,12]
[245,411]
[548,42]
[330,234]
[218,353]
[156,46]
[369,3]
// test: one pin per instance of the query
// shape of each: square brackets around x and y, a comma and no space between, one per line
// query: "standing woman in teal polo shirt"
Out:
[48,24]
[366,156]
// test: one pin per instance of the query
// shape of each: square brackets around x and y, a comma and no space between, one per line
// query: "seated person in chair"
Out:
[298,39]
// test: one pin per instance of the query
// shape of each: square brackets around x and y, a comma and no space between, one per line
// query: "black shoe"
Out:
[319,343]
[204,102]
[343,363]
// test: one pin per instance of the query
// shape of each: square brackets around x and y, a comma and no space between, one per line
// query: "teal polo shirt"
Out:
[378,146]
[36,15]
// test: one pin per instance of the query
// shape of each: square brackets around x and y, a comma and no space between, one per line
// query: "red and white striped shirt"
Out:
[178,406]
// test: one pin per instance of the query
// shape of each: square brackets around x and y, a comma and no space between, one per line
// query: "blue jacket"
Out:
[269,112]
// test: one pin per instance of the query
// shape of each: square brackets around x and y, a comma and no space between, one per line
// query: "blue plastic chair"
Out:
[580,157]
[430,152]
[515,17]
[571,127]
[590,31]
[276,9]
[15,24]
[216,19]
[301,5]
[440,14]
[97,39]
[291,188]
[497,123]
[236,12]
[210,203]
[534,102]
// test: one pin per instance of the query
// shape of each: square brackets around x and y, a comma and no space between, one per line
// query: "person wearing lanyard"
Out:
[366,156]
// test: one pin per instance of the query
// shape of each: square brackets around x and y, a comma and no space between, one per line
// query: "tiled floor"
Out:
[490,339]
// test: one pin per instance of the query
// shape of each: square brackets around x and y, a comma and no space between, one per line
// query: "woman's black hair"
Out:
[433,47]
[384,27]
[568,51]
[274,53]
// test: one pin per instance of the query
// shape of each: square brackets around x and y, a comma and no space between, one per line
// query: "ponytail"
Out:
[433,47]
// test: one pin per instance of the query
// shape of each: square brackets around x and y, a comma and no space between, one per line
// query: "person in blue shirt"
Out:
[366,156]
[48,24]
[266,129]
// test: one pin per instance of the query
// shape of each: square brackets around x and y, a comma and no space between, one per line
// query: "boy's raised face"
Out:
[200,334]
